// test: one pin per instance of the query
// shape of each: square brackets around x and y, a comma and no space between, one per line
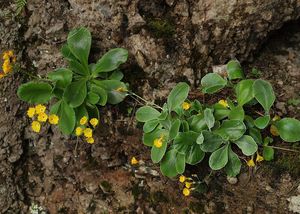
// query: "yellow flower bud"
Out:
[186,106]
[186,192]
[53,119]
[188,184]
[223,103]
[31,112]
[40,109]
[88,132]
[83,120]
[259,158]
[90,140]
[36,126]
[78,131]
[158,142]
[42,117]
[182,178]
[134,161]
[94,122]
[251,163]
[274,131]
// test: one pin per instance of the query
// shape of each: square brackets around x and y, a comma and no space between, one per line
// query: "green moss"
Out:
[161,27]
[287,162]
[106,186]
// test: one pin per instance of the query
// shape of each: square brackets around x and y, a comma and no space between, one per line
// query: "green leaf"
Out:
[178,95]
[102,93]
[247,145]
[150,125]
[209,118]
[200,139]
[78,68]
[220,112]
[35,92]
[186,138]
[289,129]
[234,70]
[55,107]
[244,91]
[256,135]
[212,83]
[237,113]
[197,123]
[79,42]
[148,138]
[180,163]
[62,77]
[116,75]
[264,94]
[268,153]
[111,60]
[146,113]
[168,163]
[211,142]
[93,111]
[219,158]
[262,122]
[112,87]
[233,167]
[67,119]
[231,129]
[158,153]
[65,50]
[174,129]
[80,112]
[75,93]
[194,154]
[92,97]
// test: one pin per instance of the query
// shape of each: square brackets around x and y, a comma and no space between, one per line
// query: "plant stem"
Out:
[145,101]
[284,149]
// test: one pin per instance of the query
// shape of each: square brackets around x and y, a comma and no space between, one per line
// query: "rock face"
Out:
[168,41]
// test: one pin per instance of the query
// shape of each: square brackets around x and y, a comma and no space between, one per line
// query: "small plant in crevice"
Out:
[75,92]
[230,131]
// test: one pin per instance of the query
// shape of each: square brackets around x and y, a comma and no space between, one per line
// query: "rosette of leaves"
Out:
[224,133]
[77,90]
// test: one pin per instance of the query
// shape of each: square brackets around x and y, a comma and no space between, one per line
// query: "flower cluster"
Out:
[188,182]
[85,128]
[39,116]
[8,61]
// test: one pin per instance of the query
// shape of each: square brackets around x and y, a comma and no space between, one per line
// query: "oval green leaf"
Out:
[244,91]
[75,93]
[35,92]
[231,129]
[264,94]
[219,158]
[212,83]
[146,113]
[247,145]
[289,129]
[234,70]
[262,122]
[178,95]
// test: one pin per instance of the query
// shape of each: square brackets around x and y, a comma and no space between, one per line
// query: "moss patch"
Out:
[161,28]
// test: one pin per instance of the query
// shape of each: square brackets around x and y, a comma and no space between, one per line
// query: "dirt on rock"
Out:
[52,173]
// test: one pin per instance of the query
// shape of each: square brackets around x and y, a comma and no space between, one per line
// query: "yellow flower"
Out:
[259,158]
[224,103]
[274,130]
[8,54]
[94,122]
[7,67]
[40,109]
[158,142]
[182,178]
[275,118]
[121,89]
[31,112]
[36,126]
[188,184]
[90,140]
[134,161]
[186,192]
[42,117]
[53,119]
[250,163]
[186,106]
[78,131]
[88,132]
[83,120]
